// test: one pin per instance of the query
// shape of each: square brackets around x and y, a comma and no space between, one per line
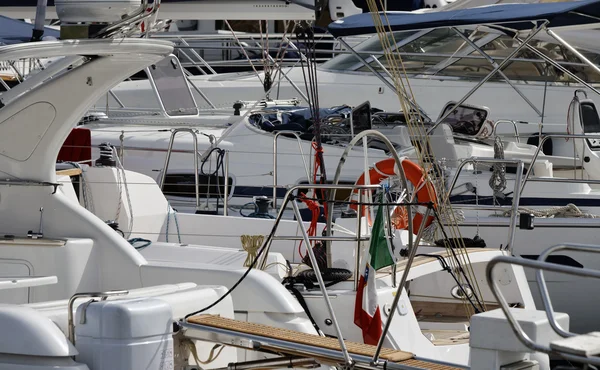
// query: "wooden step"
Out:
[69,172]
[290,336]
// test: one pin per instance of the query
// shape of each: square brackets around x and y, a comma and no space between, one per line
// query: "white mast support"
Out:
[34,127]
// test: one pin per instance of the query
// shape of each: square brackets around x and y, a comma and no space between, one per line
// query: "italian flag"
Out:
[367,314]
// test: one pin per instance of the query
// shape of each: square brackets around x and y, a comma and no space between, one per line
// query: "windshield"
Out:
[442,52]
[371,45]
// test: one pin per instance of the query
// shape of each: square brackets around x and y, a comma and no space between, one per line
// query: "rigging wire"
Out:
[416,127]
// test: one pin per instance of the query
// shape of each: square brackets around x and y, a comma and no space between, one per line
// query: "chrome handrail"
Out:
[306,238]
[513,123]
[102,295]
[163,175]
[516,191]
[539,265]
[539,149]
[542,281]
[289,198]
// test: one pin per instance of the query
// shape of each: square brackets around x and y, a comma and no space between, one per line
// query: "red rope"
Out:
[312,229]
[313,205]
[317,166]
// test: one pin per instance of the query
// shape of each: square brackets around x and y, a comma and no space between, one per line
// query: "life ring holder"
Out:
[338,172]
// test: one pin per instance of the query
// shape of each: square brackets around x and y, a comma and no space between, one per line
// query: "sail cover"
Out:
[13,31]
[514,16]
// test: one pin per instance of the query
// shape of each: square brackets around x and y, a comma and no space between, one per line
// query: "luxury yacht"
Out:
[441,66]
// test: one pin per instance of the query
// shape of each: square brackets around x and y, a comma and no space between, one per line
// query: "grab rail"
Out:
[163,176]
[513,123]
[540,266]
[539,149]
[102,295]
[194,134]
[516,192]
[542,282]
[289,198]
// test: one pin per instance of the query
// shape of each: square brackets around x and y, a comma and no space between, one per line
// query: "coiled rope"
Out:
[251,244]
[568,211]
[498,179]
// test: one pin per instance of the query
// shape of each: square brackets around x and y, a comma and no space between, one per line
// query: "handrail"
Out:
[539,149]
[102,295]
[538,265]
[542,281]
[226,185]
[412,246]
[516,192]
[289,196]
[267,245]
[315,266]
[307,239]
[194,133]
[513,123]
[306,167]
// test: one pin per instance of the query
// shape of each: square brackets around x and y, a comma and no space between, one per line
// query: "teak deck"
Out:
[391,355]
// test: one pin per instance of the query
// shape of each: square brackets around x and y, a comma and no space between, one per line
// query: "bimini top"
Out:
[13,31]
[513,16]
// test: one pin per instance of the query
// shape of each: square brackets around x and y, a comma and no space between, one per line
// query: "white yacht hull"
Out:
[251,156]
[337,88]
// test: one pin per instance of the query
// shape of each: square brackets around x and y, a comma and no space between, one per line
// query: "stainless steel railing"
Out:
[194,133]
[516,192]
[541,265]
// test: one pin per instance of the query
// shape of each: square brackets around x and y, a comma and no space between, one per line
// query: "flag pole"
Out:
[411,256]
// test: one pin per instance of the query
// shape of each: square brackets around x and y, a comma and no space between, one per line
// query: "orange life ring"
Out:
[413,172]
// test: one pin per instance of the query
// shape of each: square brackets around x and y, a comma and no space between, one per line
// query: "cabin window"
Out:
[349,62]
[527,66]
[441,52]
[427,51]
